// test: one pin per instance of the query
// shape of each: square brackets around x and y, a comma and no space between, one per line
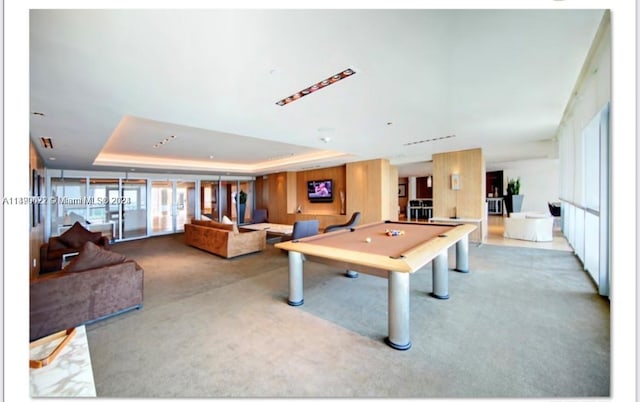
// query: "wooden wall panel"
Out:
[372,190]
[393,203]
[370,187]
[337,174]
[292,194]
[469,201]
[262,192]
[273,196]
[36,234]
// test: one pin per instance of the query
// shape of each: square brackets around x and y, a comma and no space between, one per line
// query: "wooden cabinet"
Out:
[424,187]
[494,184]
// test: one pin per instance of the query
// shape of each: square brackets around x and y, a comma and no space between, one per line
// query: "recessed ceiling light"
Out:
[325,139]
[210,156]
[312,88]
[38,113]
[281,156]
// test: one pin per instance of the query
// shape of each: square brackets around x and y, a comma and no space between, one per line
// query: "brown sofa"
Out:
[70,241]
[95,285]
[222,239]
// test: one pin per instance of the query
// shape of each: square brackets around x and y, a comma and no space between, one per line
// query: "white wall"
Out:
[539,181]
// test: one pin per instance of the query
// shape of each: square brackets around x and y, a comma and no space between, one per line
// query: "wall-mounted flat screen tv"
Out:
[320,190]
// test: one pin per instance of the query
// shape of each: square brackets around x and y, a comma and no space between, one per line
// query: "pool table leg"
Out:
[295,279]
[399,292]
[440,272]
[462,255]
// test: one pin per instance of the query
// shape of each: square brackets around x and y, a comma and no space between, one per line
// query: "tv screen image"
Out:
[320,190]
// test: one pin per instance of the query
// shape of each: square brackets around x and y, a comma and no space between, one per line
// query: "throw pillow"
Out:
[226,220]
[93,256]
[56,244]
[77,235]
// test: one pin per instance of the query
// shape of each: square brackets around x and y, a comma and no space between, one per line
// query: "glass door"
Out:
[209,206]
[133,204]
[161,207]
[185,203]
[236,200]
[172,205]
[104,212]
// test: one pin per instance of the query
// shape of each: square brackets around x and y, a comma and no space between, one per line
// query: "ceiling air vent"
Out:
[46,142]
[429,140]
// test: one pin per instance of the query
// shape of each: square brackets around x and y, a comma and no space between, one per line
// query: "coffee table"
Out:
[66,258]
[275,229]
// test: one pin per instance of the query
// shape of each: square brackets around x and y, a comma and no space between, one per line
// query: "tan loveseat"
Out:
[222,239]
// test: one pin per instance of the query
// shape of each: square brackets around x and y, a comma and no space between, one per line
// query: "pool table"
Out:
[372,249]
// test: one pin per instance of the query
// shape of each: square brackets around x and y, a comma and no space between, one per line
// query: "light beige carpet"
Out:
[523,323]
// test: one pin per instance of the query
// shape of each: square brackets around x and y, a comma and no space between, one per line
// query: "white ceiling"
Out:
[112,83]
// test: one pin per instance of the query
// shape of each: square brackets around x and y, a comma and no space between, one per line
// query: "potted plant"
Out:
[513,200]
[241,199]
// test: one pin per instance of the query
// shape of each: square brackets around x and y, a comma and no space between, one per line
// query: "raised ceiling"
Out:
[111,84]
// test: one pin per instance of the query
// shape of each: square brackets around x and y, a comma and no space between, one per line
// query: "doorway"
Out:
[172,205]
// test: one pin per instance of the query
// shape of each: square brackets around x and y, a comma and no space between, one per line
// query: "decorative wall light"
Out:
[455,181]
[429,182]
[319,85]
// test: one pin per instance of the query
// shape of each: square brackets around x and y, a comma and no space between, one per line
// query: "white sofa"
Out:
[531,226]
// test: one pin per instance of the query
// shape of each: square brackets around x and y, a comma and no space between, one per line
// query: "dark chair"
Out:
[302,229]
[260,216]
[554,208]
[355,218]
[305,229]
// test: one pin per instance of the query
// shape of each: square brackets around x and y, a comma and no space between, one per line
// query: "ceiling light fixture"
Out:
[319,85]
[46,142]
[38,113]
[325,139]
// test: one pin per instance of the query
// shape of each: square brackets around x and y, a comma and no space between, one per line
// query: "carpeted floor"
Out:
[522,323]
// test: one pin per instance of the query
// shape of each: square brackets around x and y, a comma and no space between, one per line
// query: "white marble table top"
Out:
[70,374]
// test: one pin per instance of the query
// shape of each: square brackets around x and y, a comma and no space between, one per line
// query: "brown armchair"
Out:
[70,241]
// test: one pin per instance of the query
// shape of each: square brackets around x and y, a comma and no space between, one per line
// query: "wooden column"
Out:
[372,189]
[470,200]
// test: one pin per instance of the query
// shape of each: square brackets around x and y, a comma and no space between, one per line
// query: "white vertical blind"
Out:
[583,144]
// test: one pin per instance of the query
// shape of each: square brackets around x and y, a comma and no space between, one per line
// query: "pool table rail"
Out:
[409,261]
